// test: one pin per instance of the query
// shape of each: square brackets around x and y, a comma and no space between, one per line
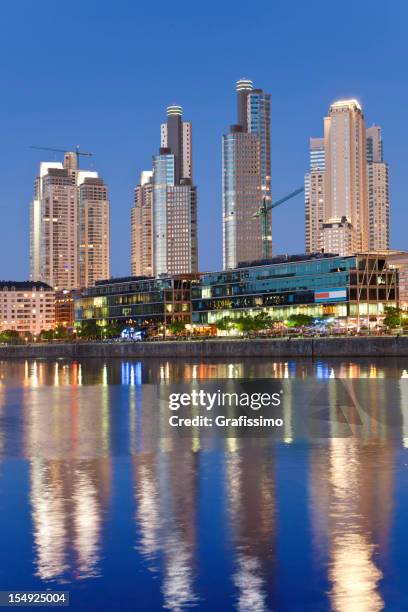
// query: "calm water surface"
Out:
[94,500]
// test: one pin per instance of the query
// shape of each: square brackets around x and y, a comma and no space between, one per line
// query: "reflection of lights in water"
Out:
[286,370]
[79,375]
[148,512]
[56,375]
[247,576]
[104,375]
[87,525]
[403,388]
[404,374]
[50,535]
[250,585]
[322,371]
[332,374]
[164,526]
[177,583]
[194,372]
[373,372]
[353,573]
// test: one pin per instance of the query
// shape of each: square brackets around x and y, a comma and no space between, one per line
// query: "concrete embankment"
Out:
[378,346]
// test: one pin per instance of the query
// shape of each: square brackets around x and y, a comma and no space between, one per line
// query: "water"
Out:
[94,500]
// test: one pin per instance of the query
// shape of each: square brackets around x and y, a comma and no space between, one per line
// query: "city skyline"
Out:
[121,128]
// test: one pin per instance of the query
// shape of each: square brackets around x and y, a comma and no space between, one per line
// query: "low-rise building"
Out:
[356,289]
[353,290]
[143,301]
[64,308]
[26,307]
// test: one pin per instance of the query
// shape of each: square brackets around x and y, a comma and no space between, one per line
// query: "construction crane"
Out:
[77,151]
[263,213]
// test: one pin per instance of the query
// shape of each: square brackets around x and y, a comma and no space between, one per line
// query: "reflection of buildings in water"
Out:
[3,407]
[403,391]
[351,487]
[67,505]
[165,491]
[133,371]
[251,505]
[67,442]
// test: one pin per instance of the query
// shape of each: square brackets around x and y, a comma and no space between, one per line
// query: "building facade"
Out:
[346,173]
[69,226]
[353,291]
[141,250]
[175,248]
[26,307]
[346,188]
[93,212]
[246,176]
[378,192]
[64,308]
[353,288]
[146,302]
[314,197]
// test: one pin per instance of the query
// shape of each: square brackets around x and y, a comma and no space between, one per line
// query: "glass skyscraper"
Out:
[174,199]
[246,176]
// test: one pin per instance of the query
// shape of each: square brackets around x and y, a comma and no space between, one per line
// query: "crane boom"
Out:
[77,150]
[263,213]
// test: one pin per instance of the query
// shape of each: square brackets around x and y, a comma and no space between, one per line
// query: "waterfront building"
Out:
[352,290]
[93,210]
[69,226]
[64,308]
[246,176]
[378,192]
[141,227]
[143,301]
[26,307]
[174,200]
[348,288]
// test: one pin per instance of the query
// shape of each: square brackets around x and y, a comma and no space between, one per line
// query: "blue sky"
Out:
[101,74]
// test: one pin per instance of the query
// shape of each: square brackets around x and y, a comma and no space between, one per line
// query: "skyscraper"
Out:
[346,188]
[314,197]
[378,192]
[69,226]
[174,199]
[246,160]
[58,227]
[93,228]
[345,228]
[141,227]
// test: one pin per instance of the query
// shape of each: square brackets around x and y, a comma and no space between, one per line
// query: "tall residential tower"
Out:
[246,160]
[174,199]
[69,226]
[378,192]
[346,188]
[141,227]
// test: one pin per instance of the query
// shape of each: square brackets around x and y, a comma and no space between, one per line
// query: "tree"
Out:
[262,320]
[89,329]
[225,324]
[245,323]
[299,320]
[176,327]
[394,317]
[11,336]
[113,329]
